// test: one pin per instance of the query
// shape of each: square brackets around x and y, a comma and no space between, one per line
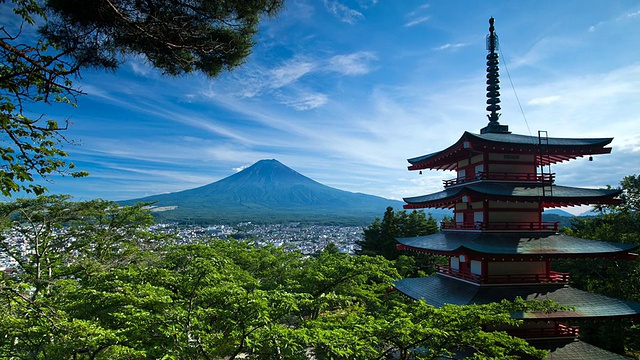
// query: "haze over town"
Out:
[345,91]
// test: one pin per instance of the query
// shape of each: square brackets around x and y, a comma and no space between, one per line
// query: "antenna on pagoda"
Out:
[493,85]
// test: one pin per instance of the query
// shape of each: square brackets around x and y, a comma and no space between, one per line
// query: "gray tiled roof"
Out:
[439,290]
[517,192]
[550,245]
[516,139]
[574,350]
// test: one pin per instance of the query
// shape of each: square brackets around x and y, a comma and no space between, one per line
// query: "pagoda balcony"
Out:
[559,331]
[501,226]
[505,279]
[495,176]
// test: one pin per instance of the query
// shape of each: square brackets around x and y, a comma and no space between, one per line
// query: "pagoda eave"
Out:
[498,245]
[556,151]
[626,256]
[439,290]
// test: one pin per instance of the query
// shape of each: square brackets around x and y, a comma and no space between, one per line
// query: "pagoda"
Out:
[497,244]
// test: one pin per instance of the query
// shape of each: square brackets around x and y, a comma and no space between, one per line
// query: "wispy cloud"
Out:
[284,80]
[343,12]
[306,101]
[544,100]
[417,16]
[290,72]
[622,18]
[450,46]
[140,66]
[352,64]
[417,21]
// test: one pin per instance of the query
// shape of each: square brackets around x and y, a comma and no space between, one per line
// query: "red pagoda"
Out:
[498,247]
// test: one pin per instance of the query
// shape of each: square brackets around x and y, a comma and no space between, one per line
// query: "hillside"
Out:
[268,192]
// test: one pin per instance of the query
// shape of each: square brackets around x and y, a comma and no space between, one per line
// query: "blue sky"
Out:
[345,91]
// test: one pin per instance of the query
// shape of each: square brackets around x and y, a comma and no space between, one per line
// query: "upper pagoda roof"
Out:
[551,151]
[550,196]
[515,244]
[439,290]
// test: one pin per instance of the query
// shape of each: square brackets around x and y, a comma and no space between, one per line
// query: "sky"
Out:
[345,91]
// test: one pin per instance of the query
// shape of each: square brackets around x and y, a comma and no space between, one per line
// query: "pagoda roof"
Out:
[439,290]
[555,149]
[550,196]
[515,244]
[573,349]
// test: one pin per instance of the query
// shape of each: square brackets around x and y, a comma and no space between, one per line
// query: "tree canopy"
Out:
[380,236]
[91,281]
[177,37]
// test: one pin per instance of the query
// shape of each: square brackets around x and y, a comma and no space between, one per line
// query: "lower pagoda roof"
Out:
[439,290]
[571,349]
[550,196]
[514,244]
[554,150]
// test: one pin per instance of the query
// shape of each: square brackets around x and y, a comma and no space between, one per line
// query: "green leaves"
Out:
[97,284]
[176,37]
[31,73]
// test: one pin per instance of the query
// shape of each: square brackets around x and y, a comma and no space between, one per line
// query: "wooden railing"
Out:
[520,177]
[504,226]
[553,277]
[560,330]
[446,270]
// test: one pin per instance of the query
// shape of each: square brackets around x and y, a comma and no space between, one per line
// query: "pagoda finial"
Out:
[493,84]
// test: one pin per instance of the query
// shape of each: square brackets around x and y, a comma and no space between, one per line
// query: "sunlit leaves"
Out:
[111,289]
[31,73]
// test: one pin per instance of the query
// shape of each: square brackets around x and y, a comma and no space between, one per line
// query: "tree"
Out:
[380,239]
[31,74]
[59,247]
[615,278]
[116,290]
[380,236]
[176,37]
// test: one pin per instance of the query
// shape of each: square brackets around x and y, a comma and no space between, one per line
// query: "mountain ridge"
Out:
[267,192]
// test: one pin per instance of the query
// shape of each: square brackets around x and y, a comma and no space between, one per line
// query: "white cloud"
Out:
[306,101]
[544,100]
[290,72]
[342,12]
[352,64]
[140,66]
[451,46]
[417,21]
[630,15]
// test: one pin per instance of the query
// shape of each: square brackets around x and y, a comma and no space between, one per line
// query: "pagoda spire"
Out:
[493,85]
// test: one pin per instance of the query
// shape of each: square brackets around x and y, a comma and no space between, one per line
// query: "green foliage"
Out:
[31,73]
[96,284]
[177,37]
[380,239]
[616,278]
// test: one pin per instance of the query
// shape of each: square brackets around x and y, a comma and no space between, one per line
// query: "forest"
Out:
[92,282]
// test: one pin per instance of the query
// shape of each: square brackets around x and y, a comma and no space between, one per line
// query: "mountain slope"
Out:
[266,192]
